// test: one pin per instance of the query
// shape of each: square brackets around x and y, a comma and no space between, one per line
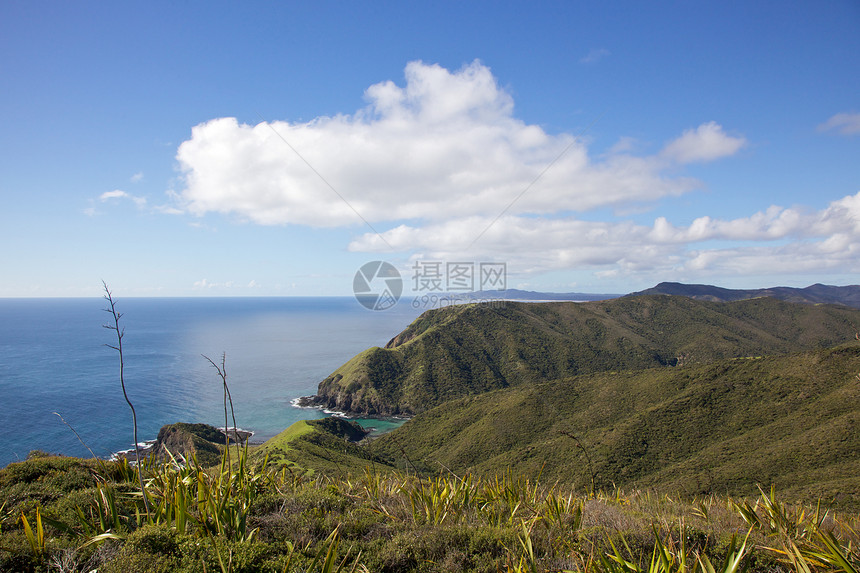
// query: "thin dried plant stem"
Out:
[587,457]
[83,443]
[120,332]
[222,373]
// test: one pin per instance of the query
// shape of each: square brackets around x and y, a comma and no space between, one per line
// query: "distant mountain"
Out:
[815,294]
[516,294]
[792,421]
[469,349]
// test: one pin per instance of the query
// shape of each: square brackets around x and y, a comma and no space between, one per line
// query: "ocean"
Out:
[54,359]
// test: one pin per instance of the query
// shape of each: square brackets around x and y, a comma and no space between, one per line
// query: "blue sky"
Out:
[190,148]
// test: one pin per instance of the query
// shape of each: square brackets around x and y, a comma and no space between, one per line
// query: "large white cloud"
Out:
[445,145]
[434,162]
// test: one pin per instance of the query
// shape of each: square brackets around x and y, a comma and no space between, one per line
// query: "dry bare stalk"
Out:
[222,373]
[120,332]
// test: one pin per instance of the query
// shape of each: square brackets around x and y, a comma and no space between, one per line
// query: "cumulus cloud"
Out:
[705,143]
[433,162]
[447,144]
[840,218]
[783,240]
[844,123]
[527,243]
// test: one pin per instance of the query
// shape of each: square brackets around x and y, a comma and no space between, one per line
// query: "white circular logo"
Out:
[377,285]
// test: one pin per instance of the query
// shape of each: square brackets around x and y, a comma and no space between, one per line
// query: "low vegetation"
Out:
[66,514]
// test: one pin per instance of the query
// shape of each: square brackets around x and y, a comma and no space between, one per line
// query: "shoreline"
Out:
[240,435]
[237,435]
[307,403]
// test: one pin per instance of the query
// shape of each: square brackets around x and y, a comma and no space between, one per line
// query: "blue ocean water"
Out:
[53,358]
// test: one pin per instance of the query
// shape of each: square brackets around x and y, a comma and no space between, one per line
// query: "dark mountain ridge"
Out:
[517,294]
[814,294]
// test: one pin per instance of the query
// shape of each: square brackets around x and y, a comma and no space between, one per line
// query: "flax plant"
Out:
[35,537]
[325,560]
[802,541]
[213,502]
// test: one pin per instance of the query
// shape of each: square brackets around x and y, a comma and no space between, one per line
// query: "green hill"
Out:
[327,445]
[723,427]
[183,439]
[470,349]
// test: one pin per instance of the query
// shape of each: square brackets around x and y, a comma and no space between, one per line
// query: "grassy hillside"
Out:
[722,427]
[183,439]
[470,349]
[327,445]
[71,515]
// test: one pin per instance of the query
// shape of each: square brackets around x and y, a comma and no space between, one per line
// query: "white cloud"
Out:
[595,55]
[841,217]
[835,255]
[112,194]
[432,163]
[844,123]
[773,224]
[705,143]
[168,209]
[783,240]
[234,286]
[119,194]
[444,145]
[205,284]
[137,177]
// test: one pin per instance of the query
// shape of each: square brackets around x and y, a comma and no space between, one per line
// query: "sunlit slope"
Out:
[722,427]
[327,445]
[467,350]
